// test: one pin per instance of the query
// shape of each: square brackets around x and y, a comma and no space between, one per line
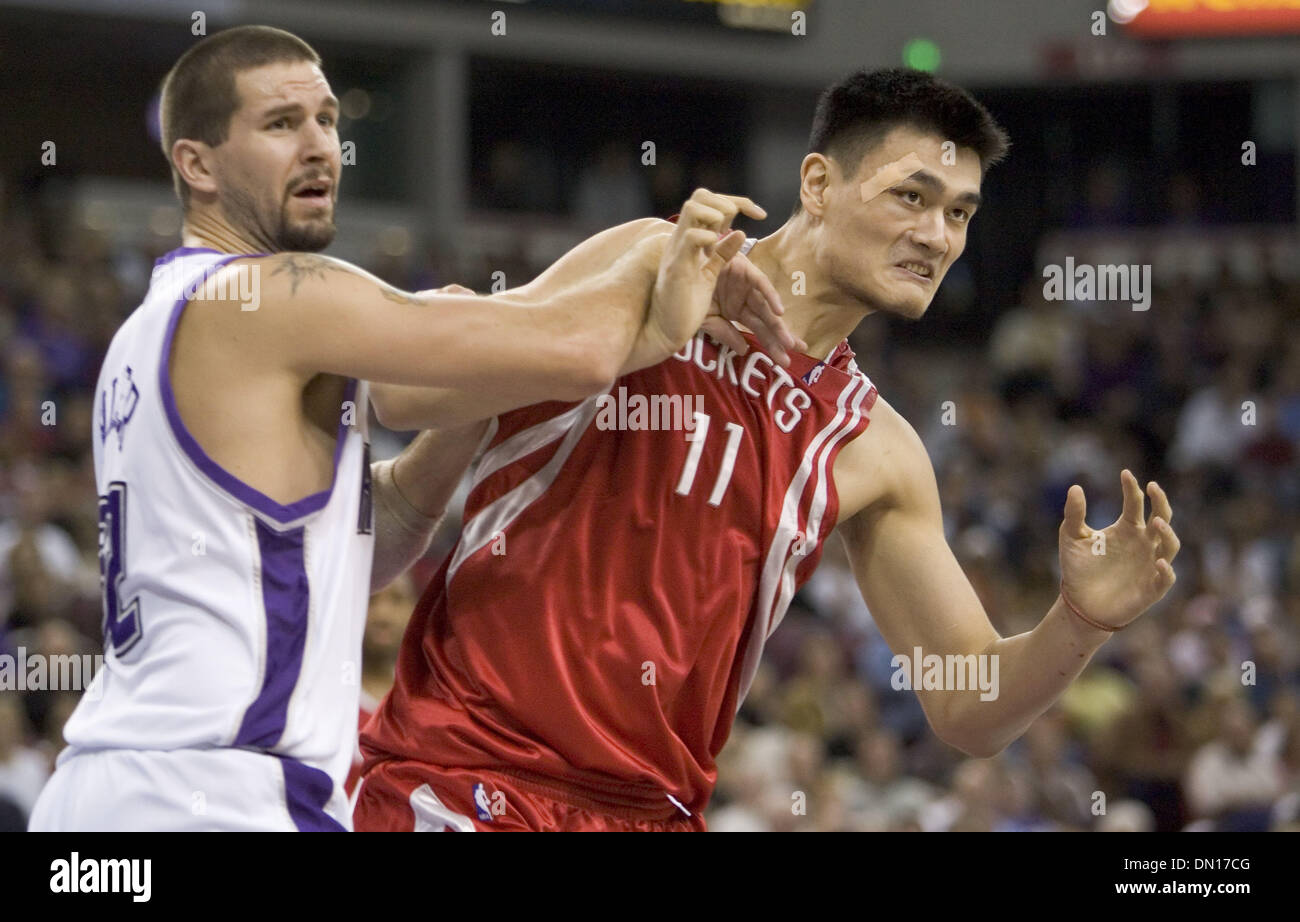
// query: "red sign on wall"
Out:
[1174,18]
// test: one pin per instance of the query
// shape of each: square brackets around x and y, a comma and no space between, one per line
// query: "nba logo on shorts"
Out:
[481,803]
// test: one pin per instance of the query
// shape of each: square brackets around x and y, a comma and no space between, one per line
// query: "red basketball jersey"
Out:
[602,616]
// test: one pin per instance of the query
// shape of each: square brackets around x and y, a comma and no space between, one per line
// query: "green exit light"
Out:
[922,54]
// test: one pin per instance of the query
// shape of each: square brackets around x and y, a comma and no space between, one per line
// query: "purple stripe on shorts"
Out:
[249,496]
[285,597]
[307,791]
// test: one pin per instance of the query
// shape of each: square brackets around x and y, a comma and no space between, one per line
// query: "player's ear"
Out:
[814,183]
[192,160]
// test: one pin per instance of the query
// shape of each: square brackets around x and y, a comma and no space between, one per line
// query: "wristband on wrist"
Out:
[1070,605]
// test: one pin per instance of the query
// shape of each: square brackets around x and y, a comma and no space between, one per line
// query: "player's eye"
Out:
[281,121]
[327,120]
[961,214]
[906,195]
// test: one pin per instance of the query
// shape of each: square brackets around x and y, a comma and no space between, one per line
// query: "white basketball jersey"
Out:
[230,620]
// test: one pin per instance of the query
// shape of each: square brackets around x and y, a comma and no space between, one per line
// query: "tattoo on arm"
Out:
[301,266]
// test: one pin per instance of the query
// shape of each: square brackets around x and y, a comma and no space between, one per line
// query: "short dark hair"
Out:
[199,94]
[855,113]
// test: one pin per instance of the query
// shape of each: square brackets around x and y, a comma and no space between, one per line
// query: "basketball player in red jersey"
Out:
[579,658]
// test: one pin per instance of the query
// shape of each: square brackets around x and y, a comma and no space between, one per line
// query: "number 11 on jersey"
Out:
[697,438]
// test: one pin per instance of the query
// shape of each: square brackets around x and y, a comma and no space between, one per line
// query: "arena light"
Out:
[1125,11]
[355,104]
[922,54]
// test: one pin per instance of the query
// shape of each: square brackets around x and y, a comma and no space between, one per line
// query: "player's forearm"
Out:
[557,356]
[592,257]
[610,307]
[610,278]
[1032,670]
[556,350]
[608,337]
[322,315]
[569,343]
[410,494]
[429,469]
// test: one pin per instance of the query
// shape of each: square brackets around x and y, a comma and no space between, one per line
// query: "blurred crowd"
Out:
[1188,719]
[610,187]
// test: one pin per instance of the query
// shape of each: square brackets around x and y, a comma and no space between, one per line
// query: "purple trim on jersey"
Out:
[286,595]
[189,251]
[231,484]
[307,790]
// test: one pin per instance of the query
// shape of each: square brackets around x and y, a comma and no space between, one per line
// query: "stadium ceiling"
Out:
[991,42]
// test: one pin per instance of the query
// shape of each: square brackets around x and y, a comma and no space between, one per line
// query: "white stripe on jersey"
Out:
[784,535]
[815,511]
[494,518]
[524,443]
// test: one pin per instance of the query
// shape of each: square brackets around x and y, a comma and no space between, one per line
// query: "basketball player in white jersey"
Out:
[238,509]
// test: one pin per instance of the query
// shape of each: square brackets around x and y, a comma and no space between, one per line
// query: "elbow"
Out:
[397,412]
[969,721]
[394,422]
[388,414]
[971,740]
[975,747]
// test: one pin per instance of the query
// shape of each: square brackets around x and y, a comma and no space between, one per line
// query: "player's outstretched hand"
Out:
[745,295]
[696,280]
[1113,575]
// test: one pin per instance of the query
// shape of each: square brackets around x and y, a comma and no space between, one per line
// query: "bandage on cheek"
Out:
[889,174]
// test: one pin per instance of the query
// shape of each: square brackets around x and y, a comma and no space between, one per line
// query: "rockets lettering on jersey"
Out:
[758,376]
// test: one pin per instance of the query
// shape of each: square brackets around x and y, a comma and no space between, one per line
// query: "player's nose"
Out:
[318,143]
[929,232]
